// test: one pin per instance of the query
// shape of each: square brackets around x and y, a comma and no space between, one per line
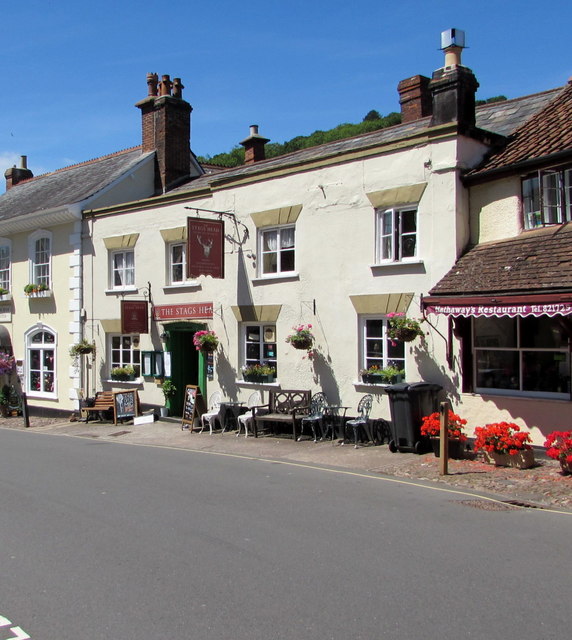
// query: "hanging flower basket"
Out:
[302,338]
[205,341]
[402,329]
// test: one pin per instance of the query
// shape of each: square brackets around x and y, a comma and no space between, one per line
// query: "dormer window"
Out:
[547,198]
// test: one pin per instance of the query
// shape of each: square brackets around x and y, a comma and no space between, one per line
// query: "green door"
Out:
[187,364]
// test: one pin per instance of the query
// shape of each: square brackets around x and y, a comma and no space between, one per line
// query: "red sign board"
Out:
[134,316]
[205,248]
[199,311]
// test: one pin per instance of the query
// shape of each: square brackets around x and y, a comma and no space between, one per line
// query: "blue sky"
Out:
[74,70]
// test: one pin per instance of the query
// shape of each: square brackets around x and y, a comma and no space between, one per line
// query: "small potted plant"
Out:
[5,294]
[205,341]
[401,328]
[559,447]
[258,373]
[123,373]
[301,337]
[169,390]
[82,347]
[33,289]
[504,445]
[431,428]
[7,363]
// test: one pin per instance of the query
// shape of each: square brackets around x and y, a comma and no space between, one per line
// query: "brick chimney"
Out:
[453,87]
[254,146]
[166,126]
[18,174]
[414,98]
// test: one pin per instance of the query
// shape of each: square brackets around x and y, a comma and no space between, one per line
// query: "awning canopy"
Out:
[497,306]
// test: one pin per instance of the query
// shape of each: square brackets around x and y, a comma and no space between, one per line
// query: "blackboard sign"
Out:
[125,404]
[193,406]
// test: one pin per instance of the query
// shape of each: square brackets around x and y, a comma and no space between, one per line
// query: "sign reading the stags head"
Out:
[134,316]
[205,248]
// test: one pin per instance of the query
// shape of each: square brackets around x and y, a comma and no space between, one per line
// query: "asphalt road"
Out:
[103,540]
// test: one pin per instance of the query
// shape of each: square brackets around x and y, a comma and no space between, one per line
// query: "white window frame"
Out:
[43,347]
[123,271]
[35,266]
[171,264]
[395,235]
[6,271]
[384,360]
[117,351]
[278,251]
[547,197]
[266,341]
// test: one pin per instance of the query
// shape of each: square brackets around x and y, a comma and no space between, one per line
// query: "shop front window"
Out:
[41,363]
[527,356]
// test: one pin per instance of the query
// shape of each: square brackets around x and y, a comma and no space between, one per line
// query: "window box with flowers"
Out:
[302,337]
[504,445]
[260,373]
[37,291]
[378,375]
[205,341]
[559,447]
[123,374]
[400,328]
[5,295]
[431,428]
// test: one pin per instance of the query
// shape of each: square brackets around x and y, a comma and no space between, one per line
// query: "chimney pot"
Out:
[165,86]
[254,146]
[152,82]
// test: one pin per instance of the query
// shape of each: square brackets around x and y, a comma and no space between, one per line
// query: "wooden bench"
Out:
[284,407]
[104,401]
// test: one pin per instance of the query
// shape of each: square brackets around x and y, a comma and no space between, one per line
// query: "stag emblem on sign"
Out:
[207,245]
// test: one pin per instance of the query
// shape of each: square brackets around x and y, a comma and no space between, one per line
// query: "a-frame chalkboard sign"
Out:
[193,406]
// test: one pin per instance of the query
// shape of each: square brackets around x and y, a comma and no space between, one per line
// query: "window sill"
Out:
[370,385]
[276,277]
[38,395]
[6,297]
[131,383]
[191,284]
[39,294]
[415,265]
[522,395]
[271,385]
[121,291]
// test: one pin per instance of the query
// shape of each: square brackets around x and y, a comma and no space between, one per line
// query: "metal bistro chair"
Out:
[246,419]
[361,422]
[318,405]
[213,414]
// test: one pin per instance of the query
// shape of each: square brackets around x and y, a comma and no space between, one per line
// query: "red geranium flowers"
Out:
[502,437]
[431,426]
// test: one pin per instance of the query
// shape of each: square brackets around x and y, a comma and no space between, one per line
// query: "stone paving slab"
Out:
[544,485]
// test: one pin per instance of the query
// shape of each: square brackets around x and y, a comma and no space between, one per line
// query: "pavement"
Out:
[543,486]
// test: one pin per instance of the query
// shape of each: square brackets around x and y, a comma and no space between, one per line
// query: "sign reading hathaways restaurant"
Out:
[134,317]
[205,248]
[199,311]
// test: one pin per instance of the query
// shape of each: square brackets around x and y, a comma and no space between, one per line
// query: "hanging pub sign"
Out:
[134,316]
[205,248]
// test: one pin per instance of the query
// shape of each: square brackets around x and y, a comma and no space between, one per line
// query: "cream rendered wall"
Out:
[140,183]
[334,259]
[59,312]
[496,210]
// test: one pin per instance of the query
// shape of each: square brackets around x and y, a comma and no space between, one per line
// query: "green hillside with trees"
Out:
[371,122]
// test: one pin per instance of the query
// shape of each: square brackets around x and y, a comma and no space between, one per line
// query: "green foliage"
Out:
[372,115]
[491,100]
[235,157]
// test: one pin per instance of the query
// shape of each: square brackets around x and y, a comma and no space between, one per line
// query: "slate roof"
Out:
[500,117]
[547,132]
[67,186]
[536,261]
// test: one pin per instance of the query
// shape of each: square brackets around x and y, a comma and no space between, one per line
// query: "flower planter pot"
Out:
[376,378]
[120,378]
[405,335]
[456,448]
[522,460]
[302,344]
[258,378]
[208,348]
[566,467]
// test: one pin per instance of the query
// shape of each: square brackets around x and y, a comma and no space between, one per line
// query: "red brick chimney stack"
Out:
[14,175]
[166,129]
[414,98]
[254,150]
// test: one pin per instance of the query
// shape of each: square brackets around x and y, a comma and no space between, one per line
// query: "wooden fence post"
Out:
[444,438]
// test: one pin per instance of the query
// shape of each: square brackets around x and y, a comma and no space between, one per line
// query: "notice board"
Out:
[125,404]
[193,406]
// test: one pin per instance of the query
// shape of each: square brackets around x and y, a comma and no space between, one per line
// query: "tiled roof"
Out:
[547,132]
[535,261]
[67,186]
[499,117]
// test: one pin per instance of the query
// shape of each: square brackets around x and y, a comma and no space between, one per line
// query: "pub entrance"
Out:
[187,364]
